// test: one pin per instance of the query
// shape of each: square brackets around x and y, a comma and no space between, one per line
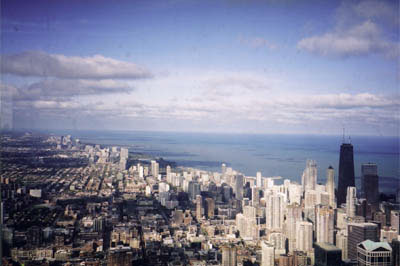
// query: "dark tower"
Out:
[346,172]
[370,184]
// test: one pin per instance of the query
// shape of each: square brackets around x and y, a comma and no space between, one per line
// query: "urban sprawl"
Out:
[65,202]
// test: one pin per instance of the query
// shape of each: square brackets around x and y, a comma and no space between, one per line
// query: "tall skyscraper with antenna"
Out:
[346,171]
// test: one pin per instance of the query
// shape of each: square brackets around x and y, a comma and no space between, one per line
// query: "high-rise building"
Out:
[168,173]
[228,256]
[259,182]
[341,242]
[255,197]
[396,252]
[346,172]
[278,240]
[374,253]
[304,236]
[330,186]
[395,220]
[210,206]
[293,215]
[274,211]
[120,255]
[193,190]
[198,207]
[370,183]
[351,200]
[154,168]
[327,255]
[223,168]
[357,233]
[309,178]
[325,218]
[239,187]
[268,254]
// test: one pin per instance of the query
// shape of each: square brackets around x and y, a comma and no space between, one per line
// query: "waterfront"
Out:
[273,155]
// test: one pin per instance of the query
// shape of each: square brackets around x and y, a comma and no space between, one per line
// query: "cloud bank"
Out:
[40,64]
[359,31]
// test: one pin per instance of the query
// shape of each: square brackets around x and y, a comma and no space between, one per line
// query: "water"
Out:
[273,155]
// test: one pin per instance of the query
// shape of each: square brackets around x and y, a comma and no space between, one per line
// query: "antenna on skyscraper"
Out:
[343,135]
[349,139]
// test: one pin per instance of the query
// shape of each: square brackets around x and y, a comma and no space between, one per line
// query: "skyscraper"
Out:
[228,256]
[304,236]
[274,211]
[358,232]
[239,186]
[370,184]
[346,172]
[259,180]
[309,178]
[198,207]
[324,224]
[330,186]
[268,254]
[351,200]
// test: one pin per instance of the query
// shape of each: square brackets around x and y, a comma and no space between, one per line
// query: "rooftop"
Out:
[372,246]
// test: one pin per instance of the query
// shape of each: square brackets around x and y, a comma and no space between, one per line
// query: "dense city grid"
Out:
[65,202]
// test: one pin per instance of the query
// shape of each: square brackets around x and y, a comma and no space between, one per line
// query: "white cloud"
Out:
[361,28]
[40,64]
[361,39]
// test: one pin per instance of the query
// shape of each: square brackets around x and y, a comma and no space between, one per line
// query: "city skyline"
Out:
[224,66]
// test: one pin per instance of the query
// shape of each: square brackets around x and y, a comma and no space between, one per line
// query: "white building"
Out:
[304,236]
[351,200]
[268,254]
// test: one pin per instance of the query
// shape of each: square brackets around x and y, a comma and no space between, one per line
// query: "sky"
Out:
[286,67]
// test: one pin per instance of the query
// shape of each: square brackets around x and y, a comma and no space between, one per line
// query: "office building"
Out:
[259,180]
[370,184]
[374,253]
[268,254]
[395,220]
[229,256]
[304,236]
[346,172]
[351,200]
[255,196]
[330,186]
[396,252]
[341,242]
[274,211]
[154,168]
[293,216]
[309,177]
[239,187]
[325,218]
[210,206]
[327,255]
[198,207]
[357,233]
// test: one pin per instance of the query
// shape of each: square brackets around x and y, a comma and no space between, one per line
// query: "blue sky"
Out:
[211,66]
